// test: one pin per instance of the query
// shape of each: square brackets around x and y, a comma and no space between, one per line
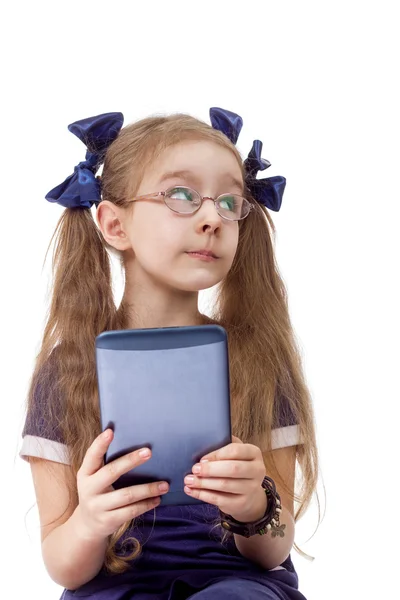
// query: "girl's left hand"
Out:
[231,478]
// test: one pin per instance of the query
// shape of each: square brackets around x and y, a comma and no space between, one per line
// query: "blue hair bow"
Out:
[267,191]
[82,188]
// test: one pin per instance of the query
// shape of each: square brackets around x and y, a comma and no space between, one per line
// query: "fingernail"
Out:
[189,479]
[144,453]
[187,490]
[163,487]
[196,469]
[204,460]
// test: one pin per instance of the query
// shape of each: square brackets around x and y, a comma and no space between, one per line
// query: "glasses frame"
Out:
[202,198]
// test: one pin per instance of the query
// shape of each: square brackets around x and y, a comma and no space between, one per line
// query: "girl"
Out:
[172,190]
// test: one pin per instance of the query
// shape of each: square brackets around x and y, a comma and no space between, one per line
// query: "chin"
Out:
[198,283]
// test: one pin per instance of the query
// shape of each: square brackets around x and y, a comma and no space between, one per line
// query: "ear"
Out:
[110,220]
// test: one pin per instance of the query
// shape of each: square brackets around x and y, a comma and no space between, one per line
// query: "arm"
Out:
[70,559]
[74,543]
[265,550]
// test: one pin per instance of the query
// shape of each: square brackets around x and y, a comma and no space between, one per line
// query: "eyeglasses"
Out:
[184,200]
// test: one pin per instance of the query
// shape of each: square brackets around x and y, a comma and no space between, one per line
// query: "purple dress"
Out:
[182,556]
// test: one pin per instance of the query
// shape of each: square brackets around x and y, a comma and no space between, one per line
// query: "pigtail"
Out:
[81,307]
[265,360]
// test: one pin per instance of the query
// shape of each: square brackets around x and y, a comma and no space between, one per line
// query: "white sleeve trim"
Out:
[57,452]
[285,436]
[43,448]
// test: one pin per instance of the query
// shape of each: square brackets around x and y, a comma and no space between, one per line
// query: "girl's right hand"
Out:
[103,509]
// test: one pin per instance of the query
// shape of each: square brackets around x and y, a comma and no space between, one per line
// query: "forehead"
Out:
[197,160]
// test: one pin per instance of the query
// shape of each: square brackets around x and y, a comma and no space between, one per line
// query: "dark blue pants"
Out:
[243,589]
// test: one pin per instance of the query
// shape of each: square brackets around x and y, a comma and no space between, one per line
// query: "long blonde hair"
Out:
[251,304]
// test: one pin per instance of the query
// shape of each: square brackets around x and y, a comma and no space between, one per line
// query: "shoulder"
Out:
[42,436]
[285,427]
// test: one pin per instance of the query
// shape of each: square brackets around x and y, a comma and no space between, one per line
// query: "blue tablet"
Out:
[166,389]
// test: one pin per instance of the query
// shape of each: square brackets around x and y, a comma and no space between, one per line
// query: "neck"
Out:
[150,319]
[149,306]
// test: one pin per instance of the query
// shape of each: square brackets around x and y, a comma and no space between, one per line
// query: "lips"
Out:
[203,252]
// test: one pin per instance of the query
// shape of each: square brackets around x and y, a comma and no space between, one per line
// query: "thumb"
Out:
[93,459]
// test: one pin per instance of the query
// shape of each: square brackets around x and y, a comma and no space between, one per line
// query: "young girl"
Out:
[182,211]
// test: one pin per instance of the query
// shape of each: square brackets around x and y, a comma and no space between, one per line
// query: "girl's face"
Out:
[160,239]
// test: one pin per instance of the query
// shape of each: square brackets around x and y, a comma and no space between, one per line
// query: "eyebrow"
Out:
[191,176]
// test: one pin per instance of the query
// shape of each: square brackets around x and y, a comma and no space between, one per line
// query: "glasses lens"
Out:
[182,199]
[232,206]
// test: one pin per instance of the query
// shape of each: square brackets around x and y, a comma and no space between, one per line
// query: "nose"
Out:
[207,215]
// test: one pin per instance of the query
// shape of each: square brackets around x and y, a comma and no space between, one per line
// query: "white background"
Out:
[316,82]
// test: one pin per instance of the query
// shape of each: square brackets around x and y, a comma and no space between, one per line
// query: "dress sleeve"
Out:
[285,428]
[41,435]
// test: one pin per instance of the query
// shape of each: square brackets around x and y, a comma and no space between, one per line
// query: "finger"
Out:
[217,484]
[210,496]
[113,470]
[94,456]
[122,515]
[224,500]
[131,495]
[237,469]
[237,451]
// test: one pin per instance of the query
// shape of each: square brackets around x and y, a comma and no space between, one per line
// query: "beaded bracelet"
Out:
[270,520]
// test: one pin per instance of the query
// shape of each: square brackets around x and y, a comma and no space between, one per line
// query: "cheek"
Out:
[155,235]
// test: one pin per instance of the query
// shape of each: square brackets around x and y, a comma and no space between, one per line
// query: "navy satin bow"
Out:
[267,191]
[82,189]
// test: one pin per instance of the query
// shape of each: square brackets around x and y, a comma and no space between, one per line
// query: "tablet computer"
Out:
[166,389]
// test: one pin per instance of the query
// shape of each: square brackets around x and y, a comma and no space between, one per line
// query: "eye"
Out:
[230,202]
[182,193]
